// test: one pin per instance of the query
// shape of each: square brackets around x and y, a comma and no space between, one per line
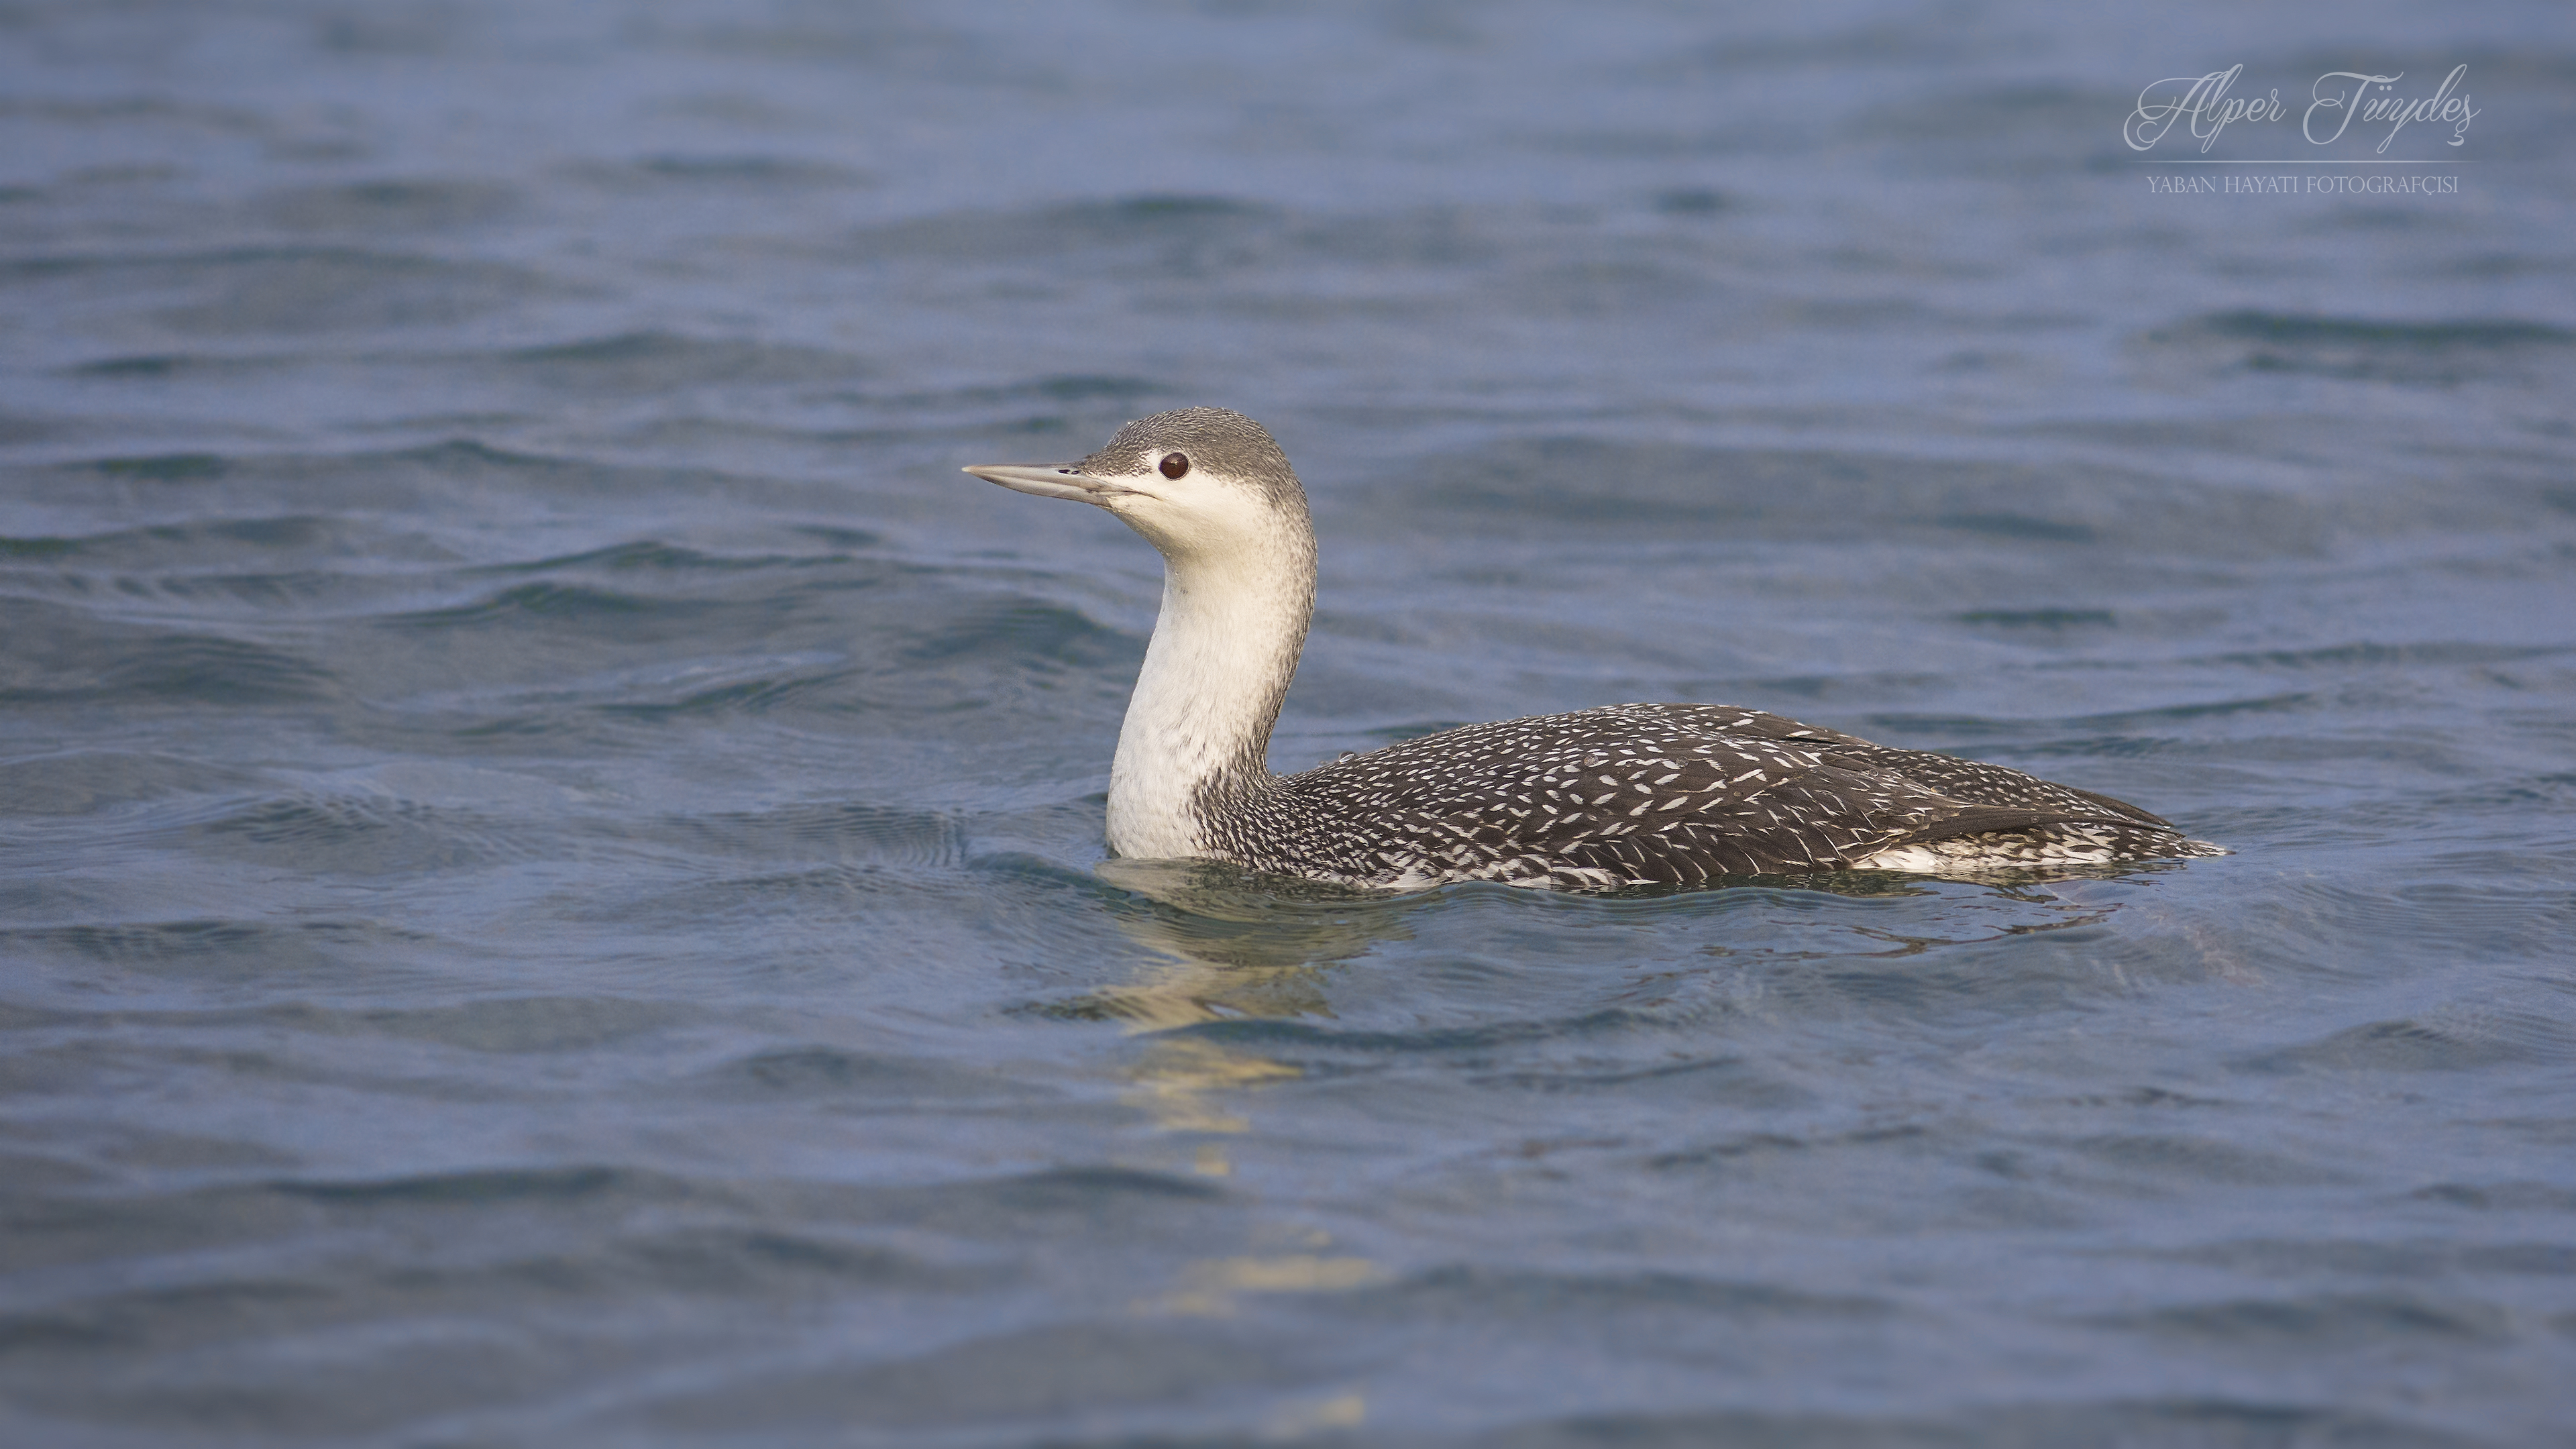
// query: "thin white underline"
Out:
[2303,163]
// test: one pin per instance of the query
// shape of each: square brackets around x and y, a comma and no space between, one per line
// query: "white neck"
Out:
[1198,726]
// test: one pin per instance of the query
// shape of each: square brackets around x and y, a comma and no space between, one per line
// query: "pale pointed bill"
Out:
[1050,480]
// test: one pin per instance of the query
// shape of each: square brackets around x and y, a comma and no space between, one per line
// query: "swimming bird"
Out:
[1620,796]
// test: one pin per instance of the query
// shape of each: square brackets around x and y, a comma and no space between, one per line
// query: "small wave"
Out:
[393,498]
[2366,654]
[771,1263]
[2141,1422]
[294,290]
[548,600]
[1031,1382]
[829,690]
[1730,1081]
[2041,618]
[1693,201]
[1085,1191]
[2169,1159]
[77,782]
[722,1259]
[653,554]
[2018,526]
[1497,1295]
[2453,1041]
[1054,387]
[2437,352]
[163,1317]
[165,467]
[360,834]
[51,655]
[832,830]
[862,1081]
[1738,1147]
[327,945]
[519,1024]
[756,169]
[1023,630]
[745,170]
[1056,231]
[397,206]
[633,362]
[2290,702]
[2522,1196]
[492,1185]
[1319,1043]
[236,569]
[2412,336]
[2338,1320]
[158,366]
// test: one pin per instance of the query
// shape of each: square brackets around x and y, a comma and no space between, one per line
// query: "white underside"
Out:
[1931,860]
[2065,845]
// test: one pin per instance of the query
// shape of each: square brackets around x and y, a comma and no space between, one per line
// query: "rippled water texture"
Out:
[550,871]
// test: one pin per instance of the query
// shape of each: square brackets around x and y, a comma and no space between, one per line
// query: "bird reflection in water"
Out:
[1225,944]
[1228,945]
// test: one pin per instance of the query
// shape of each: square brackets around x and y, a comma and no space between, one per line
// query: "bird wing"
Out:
[1665,794]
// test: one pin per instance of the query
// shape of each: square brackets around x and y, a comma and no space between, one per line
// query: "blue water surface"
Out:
[551,883]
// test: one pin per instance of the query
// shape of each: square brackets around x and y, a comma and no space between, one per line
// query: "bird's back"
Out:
[1650,794]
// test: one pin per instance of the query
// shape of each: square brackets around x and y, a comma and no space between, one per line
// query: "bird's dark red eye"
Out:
[1175,464]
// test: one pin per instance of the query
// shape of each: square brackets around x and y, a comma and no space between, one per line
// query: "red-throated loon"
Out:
[1600,799]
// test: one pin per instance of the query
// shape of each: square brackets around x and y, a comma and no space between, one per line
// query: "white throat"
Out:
[1198,726]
